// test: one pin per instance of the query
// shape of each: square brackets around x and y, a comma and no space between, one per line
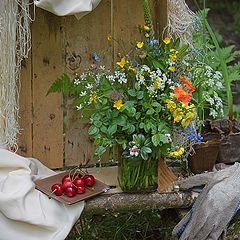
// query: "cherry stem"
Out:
[50,196]
[90,188]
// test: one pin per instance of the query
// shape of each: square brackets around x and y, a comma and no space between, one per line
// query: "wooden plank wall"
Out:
[65,44]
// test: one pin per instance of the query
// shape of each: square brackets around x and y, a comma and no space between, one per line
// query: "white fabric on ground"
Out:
[26,213]
[79,8]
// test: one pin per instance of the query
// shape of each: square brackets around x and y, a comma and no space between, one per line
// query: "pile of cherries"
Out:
[73,184]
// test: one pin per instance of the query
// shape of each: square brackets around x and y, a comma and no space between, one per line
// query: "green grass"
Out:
[140,225]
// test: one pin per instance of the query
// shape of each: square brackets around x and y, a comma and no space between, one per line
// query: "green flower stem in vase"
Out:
[138,176]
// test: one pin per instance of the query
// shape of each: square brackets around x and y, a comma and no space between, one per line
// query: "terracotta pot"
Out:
[229,131]
[229,151]
[204,157]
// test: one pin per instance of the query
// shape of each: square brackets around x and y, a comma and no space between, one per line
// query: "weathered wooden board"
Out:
[47,66]
[65,44]
[25,111]
[82,38]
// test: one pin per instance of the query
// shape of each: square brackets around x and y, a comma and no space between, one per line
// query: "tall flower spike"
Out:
[148,17]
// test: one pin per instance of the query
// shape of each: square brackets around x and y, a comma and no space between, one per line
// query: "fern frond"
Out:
[62,84]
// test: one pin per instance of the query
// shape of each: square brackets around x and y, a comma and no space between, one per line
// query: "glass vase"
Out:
[138,176]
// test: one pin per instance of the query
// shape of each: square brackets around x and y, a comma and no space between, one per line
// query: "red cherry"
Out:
[67,184]
[89,180]
[81,189]
[57,189]
[79,182]
[66,178]
[71,191]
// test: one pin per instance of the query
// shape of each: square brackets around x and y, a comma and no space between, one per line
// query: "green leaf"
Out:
[156,139]
[146,149]
[137,86]
[150,111]
[100,151]
[234,76]
[93,130]
[97,123]
[158,64]
[132,92]
[164,138]
[120,141]
[104,129]
[96,116]
[137,115]
[111,129]
[140,95]
[140,139]
[156,104]
[131,129]
[105,86]
[144,155]
[121,120]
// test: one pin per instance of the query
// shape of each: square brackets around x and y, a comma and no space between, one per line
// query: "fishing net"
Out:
[15,42]
[180,21]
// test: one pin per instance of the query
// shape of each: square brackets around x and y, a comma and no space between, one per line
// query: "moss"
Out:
[234,228]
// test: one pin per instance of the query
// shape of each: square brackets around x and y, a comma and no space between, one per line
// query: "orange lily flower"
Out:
[181,95]
[187,84]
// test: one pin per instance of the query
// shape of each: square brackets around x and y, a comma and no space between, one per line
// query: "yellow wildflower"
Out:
[130,68]
[171,104]
[118,104]
[147,35]
[171,69]
[186,106]
[146,28]
[173,57]
[167,40]
[140,44]
[189,117]
[93,98]
[156,84]
[178,153]
[181,150]
[173,50]
[177,115]
[109,37]
[122,63]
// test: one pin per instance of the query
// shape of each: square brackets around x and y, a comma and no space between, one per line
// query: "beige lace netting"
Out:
[180,21]
[15,39]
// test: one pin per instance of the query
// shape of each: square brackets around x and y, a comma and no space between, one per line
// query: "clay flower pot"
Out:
[229,150]
[204,156]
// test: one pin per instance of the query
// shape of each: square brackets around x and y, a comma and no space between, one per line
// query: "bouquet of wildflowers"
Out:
[142,104]
[138,105]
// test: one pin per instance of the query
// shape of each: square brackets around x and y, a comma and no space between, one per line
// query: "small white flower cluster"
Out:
[89,86]
[118,76]
[79,107]
[214,78]
[216,109]
[158,79]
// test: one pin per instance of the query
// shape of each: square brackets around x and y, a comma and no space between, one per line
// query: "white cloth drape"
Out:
[79,8]
[26,213]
